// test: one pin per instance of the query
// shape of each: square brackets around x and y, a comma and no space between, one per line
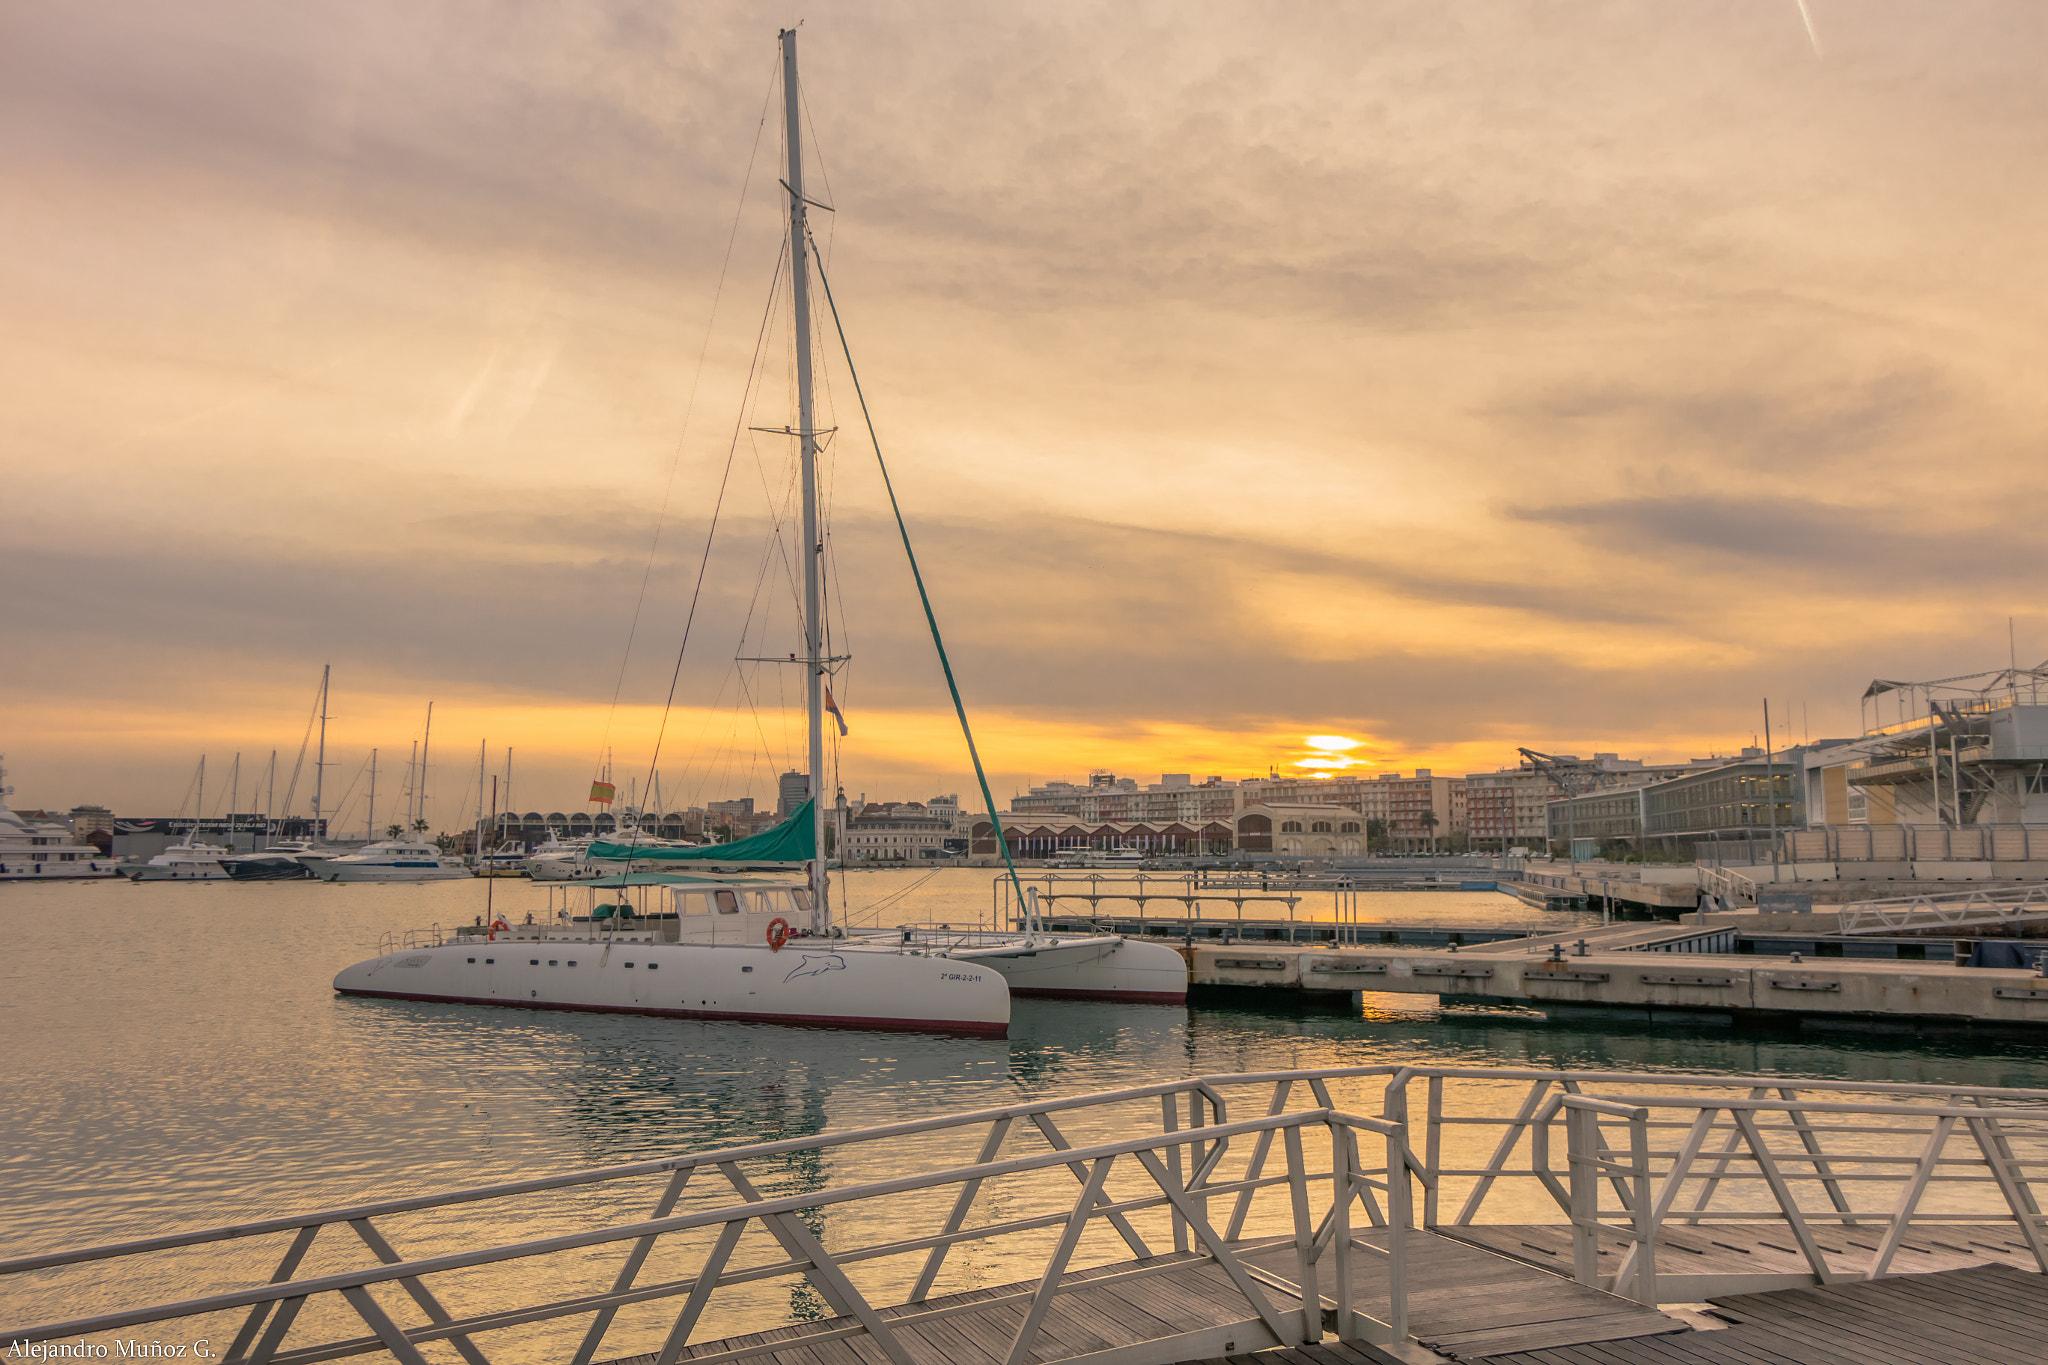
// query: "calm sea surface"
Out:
[175,1057]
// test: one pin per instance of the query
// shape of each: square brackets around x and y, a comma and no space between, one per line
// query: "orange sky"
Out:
[1448,378]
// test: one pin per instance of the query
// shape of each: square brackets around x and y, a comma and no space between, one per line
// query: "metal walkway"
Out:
[1214,1216]
[1992,1315]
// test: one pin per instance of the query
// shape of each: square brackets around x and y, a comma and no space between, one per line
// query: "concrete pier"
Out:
[1620,982]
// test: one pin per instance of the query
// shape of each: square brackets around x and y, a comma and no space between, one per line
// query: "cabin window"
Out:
[726,901]
[802,899]
[652,965]
[490,961]
[746,969]
[472,959]
[533,962]
[629,964]
[572,962]
[553,962]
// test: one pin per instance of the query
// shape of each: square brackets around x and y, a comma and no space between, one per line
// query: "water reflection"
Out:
[191,1065]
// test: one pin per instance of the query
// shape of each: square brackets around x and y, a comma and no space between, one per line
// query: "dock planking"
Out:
[1763,1250]
[1169,1309]
[1987,1313]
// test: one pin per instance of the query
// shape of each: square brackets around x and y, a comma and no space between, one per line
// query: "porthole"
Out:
[490,961]
[554,962]
[652,965]
[629,964]
[746,969]
[472,959]
[533,962]
[572,962]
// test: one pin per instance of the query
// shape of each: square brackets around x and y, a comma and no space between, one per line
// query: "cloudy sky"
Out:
[1445,376]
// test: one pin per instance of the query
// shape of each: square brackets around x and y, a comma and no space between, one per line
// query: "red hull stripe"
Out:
[960,1026]
[1127,997]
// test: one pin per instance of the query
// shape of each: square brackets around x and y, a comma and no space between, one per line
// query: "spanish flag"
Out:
[603,791]
[833,707]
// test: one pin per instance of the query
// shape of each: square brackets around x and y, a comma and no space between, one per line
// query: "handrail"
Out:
[1807,1142]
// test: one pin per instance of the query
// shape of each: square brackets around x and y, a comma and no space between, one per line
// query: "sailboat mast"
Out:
[370,820]
[320,759]
[807,442]
[426,739]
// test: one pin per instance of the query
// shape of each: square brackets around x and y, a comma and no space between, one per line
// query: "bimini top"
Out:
[789,842]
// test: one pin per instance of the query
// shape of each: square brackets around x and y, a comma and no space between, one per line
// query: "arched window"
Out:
[1290,827]
[1348,827]
[1319,827]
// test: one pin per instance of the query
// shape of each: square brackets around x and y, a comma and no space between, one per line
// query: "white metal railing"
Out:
[1216,1174]
[1942,909]
[1784,1153]
[1184,1191]
[1727,886]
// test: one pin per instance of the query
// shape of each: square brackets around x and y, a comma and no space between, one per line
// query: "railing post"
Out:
[1341,1166]
[1645,1288]
[1432,1150]
[1400,1216]
[1581,1129]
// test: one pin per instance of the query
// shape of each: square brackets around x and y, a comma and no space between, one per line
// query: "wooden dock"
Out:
[1475,1302]
[1328,1217]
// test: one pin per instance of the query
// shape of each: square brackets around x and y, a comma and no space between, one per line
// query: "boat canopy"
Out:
[789,842]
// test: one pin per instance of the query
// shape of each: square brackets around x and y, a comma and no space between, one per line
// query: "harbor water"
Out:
[177,1058]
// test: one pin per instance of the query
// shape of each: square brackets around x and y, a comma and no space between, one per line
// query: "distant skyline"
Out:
[1441,378]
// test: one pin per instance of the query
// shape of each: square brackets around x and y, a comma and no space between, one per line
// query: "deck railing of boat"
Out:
[1171,1175]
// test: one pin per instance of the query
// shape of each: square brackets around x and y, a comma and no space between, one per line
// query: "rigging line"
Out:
[690,404]
[931,619]
[704,562]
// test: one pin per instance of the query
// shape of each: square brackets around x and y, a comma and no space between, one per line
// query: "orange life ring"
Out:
[778,933]
[496,925]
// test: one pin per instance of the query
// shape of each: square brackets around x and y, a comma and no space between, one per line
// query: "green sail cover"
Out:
[788,842]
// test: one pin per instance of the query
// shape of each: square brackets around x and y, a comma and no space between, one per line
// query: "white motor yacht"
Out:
[389,860]
[285,860]
[190,861]
[45,852]
[692,948]
[560,860]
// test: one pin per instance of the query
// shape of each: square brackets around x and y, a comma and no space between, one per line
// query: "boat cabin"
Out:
[653,907]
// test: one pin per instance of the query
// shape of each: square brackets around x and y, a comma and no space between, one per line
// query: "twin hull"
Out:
[840,987]
[1089,968]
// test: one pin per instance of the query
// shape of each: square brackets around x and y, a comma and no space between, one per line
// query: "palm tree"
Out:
[1428,822]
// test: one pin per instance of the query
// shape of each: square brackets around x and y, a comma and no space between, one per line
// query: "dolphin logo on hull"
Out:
[816,966]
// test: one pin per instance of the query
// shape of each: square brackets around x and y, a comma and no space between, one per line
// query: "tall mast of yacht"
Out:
[320,759]
[199,810]
[807,444]
[426,739]
[370,820]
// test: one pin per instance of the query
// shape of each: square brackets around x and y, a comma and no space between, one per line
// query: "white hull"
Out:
[24,870]
[180,872]
[1076,967]
[822,986]
[564,869]
[337,870]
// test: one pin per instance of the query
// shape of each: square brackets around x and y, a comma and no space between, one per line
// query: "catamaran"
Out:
[745,931]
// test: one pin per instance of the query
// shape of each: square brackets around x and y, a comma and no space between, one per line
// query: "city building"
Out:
[1304,831]
[899,832]
[791,790]
[1505,809]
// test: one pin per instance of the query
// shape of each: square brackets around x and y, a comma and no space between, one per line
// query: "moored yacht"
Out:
[190,861]
[693,948]
[285,860]
[45,852]
[389,860]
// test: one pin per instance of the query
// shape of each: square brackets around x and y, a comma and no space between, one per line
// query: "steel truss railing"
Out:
[1812,1149]
[1196,1182]
[1943,909]
[1179,1172]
